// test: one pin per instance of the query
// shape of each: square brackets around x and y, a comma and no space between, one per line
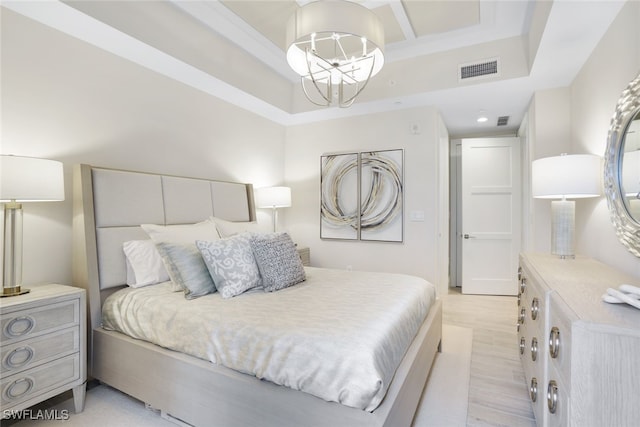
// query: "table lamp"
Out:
[565,177]
[23,179]
[274,198]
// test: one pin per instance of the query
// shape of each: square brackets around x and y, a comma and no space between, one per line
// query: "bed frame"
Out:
[109,205]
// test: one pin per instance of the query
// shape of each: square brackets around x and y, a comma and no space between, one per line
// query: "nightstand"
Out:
[43,337]
[305,256]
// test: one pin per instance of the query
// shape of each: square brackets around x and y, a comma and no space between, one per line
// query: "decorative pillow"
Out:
[182,234]
[231,264]
[278,261]
[186,268]
[229,228]
[144,263]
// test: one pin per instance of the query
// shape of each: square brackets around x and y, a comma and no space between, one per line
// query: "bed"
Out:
[109,207]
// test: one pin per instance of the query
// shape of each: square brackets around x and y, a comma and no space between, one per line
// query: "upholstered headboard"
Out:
[109,206]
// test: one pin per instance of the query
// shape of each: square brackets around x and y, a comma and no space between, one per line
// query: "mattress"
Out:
[340,335]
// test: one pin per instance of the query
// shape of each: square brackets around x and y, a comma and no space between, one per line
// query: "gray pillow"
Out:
[186,268]
[278,261]
[231,264]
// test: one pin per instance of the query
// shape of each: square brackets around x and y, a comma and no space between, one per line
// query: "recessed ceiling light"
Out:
[482,117]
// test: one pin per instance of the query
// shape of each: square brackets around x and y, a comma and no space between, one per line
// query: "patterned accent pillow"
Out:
[231,264]
[278,261]
[186,268]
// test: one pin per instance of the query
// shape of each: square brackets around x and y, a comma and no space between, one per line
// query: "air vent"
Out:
[503,120]
[476,70]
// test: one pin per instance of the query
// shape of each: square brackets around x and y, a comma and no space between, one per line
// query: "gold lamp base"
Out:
[13,291]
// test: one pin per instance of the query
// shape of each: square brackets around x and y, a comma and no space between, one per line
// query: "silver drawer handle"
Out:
[554,342]
[519,273]
[534,348]
[552,396]
[519,299]
[16,327]
[523,285]
[18,357]
[535,307]
[523,315]
[522,345]
[23,385]
[533,389]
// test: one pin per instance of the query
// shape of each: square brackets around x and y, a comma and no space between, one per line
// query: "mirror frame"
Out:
[627,228]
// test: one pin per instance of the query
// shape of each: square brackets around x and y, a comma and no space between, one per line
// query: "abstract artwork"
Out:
[362,196]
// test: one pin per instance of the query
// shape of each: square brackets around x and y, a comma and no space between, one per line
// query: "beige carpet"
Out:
[445,398]
[444,402]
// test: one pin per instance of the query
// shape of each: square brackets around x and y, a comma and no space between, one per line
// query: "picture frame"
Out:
[362,196]
[382,195]
[339,186]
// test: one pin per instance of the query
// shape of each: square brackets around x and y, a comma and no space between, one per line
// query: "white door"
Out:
[490,215]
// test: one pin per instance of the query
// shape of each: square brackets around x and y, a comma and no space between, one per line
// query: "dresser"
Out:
[43,352]
[580,355]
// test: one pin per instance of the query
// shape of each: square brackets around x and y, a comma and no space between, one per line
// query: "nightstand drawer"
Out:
[22,324]
[32,352]
[33,382]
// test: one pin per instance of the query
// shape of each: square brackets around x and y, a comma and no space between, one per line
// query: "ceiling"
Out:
[234,50]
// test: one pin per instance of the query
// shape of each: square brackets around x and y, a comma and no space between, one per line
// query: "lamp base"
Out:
[563,228]
[13,291]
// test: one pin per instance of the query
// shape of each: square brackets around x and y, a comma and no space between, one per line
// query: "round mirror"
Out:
[622,167]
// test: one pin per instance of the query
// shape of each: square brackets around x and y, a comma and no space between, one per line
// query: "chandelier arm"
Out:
[327,98]
[344,54]
[306,94]
[349,101]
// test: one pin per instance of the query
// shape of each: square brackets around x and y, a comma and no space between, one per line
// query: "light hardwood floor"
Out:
[497,392]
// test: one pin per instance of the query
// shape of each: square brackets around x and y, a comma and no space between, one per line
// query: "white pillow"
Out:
[230,228]
[184,234]
[144,264]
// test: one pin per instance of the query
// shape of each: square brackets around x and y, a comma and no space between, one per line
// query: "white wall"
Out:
[581,114]
[66,100]
[594,94]
[418,254]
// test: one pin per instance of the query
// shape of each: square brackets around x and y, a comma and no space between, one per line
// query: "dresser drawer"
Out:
[39,380]
[559,337]
[34,351]
[556,400]
[23,324]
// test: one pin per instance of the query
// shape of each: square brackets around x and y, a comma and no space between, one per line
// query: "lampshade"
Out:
[570,176]
[631,173]
[28,179]
[273,197]
[335,44]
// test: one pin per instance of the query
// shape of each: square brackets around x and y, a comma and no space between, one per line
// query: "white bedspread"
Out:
[339,336]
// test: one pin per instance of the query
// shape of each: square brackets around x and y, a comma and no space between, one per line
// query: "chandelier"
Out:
[335,47]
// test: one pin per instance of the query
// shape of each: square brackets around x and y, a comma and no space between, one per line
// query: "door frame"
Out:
[455,200]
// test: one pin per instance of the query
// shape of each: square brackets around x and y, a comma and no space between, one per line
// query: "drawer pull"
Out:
[552,396]
[18,358]
[534,348]
[523,285]
[523,315]
[18,388]
[519,273]
[519,299]
[533,389]
[535,307]
[554,342]
[522,345]
[19,326]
